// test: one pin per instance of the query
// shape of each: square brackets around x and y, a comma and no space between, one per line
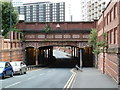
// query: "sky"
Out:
[72,8]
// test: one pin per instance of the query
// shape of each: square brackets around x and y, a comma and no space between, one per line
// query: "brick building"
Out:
[109,23]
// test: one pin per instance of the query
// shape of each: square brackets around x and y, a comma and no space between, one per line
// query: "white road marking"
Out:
[13,84]
[31,78]
[41,74]
[23,80]
[50,71]
[69,82]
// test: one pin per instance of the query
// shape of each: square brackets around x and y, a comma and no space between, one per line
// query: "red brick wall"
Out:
[111,66]
[109,23]
[17,55]
[63,25]
[17,52]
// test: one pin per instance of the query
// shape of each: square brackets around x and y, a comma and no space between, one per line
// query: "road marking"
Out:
[23,80]
[31,78]
[41,74]
[13,84]
[50,71]
[36,69]
[69,82]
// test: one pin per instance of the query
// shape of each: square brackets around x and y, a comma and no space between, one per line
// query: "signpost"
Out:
[81,59]
[81,62]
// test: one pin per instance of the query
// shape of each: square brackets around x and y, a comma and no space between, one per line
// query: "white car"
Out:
[19,67]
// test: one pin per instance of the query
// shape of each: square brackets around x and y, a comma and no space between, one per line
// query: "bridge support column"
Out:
[72,51]
[75,49]
[36,56]
[24,55]
[76,52]
[51,51]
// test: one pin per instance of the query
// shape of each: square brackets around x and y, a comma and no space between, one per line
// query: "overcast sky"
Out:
[72,7]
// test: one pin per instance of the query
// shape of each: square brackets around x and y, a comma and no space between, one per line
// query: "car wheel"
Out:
[24,72]
[21,72]
[3,77]
[11,74]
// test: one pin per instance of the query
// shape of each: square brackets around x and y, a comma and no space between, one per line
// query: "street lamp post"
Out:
[10,30]
[0,30]
[0,18]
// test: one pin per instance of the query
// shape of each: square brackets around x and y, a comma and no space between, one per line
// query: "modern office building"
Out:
[14,2]
[17,2]
[43,12]
[92,9]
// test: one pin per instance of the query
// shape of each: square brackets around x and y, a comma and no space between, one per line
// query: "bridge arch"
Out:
[30,55]
[43,54]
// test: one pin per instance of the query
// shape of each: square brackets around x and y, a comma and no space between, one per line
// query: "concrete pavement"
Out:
[92,78]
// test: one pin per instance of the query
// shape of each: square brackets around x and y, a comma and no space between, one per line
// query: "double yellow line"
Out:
[69,82]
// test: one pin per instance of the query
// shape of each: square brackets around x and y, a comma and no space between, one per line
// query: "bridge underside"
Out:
[41,53]
[37,44]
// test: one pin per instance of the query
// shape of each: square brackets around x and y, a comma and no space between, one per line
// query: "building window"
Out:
[111,37]
[115,35]
[107,19]
[110,15]
[115,11]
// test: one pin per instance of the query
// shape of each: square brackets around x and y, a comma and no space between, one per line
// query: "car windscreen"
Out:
[2,65]
[15,64]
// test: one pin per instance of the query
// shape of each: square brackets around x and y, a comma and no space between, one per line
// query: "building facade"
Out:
[43,12]
[109,23]
[92,9]
[17,3]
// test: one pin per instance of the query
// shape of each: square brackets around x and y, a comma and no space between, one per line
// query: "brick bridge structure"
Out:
[35,39]
[61,33]
[74,34]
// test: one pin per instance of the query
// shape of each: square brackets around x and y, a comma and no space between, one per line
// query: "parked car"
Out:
[5,69]
[19,67]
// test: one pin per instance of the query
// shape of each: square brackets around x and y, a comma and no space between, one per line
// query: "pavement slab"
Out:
[92,78]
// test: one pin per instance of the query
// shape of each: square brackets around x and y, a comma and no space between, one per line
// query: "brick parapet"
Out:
[17,50]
